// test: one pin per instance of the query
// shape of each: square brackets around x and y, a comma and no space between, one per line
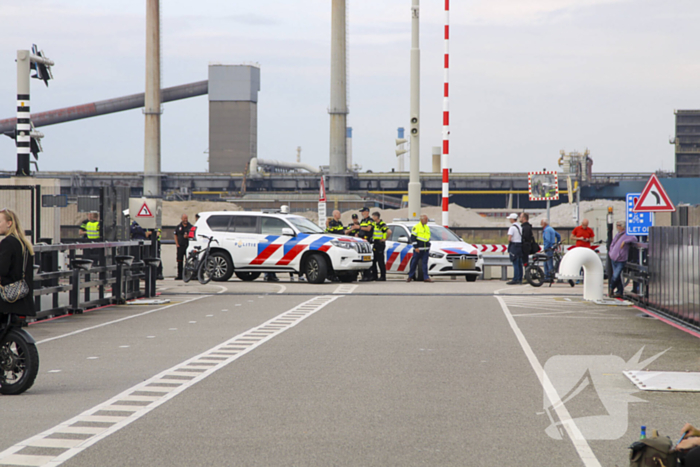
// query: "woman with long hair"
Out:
[16,260]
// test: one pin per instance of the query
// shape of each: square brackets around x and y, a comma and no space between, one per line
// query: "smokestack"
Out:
[151,163]
[348,148]
[338,110]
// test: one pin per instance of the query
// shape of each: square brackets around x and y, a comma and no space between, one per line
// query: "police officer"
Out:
[334,225]
[83,227]
[366,232]
[354,229]
[381,232]
[182,241]
[137,232]
[420,239]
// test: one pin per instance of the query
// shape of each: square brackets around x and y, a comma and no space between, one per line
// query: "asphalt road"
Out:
[377,374]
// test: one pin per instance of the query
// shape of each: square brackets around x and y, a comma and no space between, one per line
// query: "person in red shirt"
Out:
[583,235]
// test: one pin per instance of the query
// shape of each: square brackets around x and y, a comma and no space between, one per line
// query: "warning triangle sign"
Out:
[654,198]
[144,211]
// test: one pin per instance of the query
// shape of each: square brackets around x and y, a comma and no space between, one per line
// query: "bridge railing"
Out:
[72,277]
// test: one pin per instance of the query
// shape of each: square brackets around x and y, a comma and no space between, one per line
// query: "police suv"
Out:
[251,243]
[449,254]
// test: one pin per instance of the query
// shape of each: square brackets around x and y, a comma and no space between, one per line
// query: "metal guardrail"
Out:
[497,260]
[98,274]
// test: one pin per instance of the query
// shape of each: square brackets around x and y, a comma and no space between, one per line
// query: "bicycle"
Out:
[195,261]
[206,268]
[534,273]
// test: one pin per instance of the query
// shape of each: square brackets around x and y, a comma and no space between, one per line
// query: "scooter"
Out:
[19,358]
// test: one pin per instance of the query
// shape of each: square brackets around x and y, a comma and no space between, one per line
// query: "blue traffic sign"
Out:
[638,223]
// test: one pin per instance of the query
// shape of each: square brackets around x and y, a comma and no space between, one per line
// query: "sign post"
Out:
[638,223]
[322,205]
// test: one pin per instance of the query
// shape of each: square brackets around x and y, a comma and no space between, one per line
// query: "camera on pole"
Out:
[41,65]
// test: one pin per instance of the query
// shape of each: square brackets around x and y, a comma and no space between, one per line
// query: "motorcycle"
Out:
[19,357]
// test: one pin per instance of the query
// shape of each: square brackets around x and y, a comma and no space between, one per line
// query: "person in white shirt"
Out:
[515,249]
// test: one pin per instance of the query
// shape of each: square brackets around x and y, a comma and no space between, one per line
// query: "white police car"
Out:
[449,254]
[251,243]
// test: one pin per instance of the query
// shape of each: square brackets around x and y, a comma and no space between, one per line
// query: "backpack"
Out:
[653,452]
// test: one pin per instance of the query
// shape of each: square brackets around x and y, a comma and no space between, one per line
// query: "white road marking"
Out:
[54,371]
[93,358]
[119,320]
[282,288]
[246,342]
[345,289]
[582,447]
[124,346]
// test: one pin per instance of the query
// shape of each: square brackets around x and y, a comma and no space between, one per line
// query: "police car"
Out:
[251,243]
[449,254]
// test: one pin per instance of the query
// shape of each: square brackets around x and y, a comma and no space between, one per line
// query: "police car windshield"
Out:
[440,234]
[304,225]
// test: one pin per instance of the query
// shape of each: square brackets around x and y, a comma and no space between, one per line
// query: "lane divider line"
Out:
[138,315]
[582,447]
[345,289]
[158,389]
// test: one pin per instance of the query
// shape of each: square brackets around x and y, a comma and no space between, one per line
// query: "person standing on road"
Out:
[334,225]
[550,238]
[16,259]
[366,232]
[354,228]
[528,240]
[583,235]
[182,241]
[381,232]
[619,253]
[515,249]
[420,239]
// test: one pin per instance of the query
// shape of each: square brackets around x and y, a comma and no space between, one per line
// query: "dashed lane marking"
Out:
[154,391]
[345,289]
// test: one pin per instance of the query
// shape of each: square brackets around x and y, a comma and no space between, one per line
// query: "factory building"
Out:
[233,117]
[687,142]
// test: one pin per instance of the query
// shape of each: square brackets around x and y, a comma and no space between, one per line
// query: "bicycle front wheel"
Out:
[190,270]
[204,272]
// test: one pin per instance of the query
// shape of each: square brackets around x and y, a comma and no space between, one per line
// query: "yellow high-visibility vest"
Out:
[93,230]
[422,232]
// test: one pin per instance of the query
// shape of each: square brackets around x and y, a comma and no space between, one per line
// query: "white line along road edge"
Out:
[156,390]
[582,447]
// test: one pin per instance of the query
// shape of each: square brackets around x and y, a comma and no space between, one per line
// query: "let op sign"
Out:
[638,223]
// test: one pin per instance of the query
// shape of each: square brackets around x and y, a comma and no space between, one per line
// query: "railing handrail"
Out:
[88,246]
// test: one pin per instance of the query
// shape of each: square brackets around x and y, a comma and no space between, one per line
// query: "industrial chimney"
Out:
[338,109]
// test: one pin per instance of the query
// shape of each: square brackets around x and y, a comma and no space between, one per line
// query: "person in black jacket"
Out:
[528,237]
[16,256]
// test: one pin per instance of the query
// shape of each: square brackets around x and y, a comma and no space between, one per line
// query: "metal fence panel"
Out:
[674,272]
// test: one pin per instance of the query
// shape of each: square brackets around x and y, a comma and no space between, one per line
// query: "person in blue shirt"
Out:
[550,238]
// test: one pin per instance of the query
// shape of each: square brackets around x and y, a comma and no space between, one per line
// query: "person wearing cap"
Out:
[515,249]
[381,232]
[354,228]
[366,232]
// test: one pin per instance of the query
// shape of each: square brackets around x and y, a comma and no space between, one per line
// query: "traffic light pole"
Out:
[414,192]
[23,126]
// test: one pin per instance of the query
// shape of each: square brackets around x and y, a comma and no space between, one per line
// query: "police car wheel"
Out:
[247,276]
[316,269]
[221,266]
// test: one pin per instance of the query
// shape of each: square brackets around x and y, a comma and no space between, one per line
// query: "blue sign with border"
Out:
[638,223]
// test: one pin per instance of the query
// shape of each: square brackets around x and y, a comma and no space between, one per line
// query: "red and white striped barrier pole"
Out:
[446,124]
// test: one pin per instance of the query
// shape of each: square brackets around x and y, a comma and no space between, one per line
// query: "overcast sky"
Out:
[529,77]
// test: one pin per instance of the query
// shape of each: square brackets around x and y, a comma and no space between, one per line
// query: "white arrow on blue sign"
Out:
[638,223]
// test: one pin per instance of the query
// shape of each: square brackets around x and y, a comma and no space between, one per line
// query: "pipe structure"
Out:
[446,124]
[339,109]
[119,104]
[152,111]
[23,121]
[585,258]
[414,197]
[282,165]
